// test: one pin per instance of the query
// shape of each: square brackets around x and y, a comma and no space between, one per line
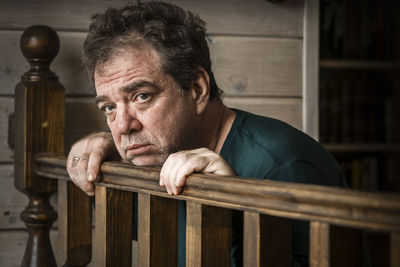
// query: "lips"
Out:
[137,149]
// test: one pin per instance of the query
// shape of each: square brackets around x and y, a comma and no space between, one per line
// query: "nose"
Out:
[126,120]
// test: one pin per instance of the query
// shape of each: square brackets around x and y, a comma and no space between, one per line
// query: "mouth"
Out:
[137,149]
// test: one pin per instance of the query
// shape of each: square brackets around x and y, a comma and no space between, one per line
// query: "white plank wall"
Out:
[258,54]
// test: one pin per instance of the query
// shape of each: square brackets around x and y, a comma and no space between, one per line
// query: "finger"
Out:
[93,167]
[168,171]
[194,164]
[81,169]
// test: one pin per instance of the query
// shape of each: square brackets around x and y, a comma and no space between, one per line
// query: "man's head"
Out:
[151,69]
[178,36]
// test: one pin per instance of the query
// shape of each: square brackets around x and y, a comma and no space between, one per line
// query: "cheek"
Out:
[115,135]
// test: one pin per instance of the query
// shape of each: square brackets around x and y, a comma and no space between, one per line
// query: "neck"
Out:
[220,119]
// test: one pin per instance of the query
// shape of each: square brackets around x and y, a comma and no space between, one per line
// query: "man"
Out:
[151,68]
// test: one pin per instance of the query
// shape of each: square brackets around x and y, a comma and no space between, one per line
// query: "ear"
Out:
[201,90]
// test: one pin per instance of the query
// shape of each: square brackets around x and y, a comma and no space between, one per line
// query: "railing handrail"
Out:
[346,207]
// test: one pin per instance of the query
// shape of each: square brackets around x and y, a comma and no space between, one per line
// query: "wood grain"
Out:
[288,110]
[345,207]
[254,17]
[113,229]
[257,66]
[74,225]
[242,65]
[208,235]
[266,240]
[157,231]
[319,244]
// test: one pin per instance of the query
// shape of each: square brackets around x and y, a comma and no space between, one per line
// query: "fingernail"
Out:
[90,177]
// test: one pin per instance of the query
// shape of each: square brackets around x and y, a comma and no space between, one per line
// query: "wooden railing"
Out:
[337,216]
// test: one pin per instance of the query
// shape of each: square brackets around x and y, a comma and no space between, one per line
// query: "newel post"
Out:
[39,113]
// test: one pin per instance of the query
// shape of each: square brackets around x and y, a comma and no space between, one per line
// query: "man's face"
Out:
[147,113]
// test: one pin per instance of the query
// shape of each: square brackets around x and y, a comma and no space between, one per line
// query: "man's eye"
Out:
[107,108]
[143,97]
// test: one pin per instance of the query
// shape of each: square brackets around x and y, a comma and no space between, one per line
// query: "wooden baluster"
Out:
[395,250]
[113,227]
[74,225]
[319,244]
[208,235]
[157,231]
[39,112]
[266,240]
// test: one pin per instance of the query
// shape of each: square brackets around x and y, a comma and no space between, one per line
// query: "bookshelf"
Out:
[359,90]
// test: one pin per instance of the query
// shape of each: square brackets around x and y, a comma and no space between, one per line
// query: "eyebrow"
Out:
[129,89]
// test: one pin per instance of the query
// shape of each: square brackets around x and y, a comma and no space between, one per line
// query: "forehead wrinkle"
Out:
[136,85]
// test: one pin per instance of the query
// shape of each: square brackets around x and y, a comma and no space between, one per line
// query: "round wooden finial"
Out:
[40,43]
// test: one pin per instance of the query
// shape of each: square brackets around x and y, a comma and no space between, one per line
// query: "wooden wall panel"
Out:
[257,66]
[253,17]
[66,65]
[12,202]
[82,118]
[286,109]
[242,65]
[6,109]
[13,245]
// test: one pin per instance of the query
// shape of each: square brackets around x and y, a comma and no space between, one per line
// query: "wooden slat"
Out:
[288,110]
[157,231]
[346,207]
[319,244]
[266,240]
[346,246]
[395,250]
[257,66]
[208,235]
[6,109]
[74,225]
[256,17]
[113,227]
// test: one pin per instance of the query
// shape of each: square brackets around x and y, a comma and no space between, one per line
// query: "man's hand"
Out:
[180,165]
[85,158]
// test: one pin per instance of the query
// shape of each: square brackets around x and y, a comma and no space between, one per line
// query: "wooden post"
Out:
[39,112]
[266,240]
[208,235]
[157,231]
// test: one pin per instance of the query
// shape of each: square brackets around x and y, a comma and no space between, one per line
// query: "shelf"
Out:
[390,148]
[359,64]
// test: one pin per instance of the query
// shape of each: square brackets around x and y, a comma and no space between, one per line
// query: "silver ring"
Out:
[76,158]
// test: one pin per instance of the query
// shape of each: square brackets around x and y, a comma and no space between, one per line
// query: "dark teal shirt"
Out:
[266,148]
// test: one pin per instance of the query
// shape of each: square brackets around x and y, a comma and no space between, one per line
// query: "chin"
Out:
[147,161]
